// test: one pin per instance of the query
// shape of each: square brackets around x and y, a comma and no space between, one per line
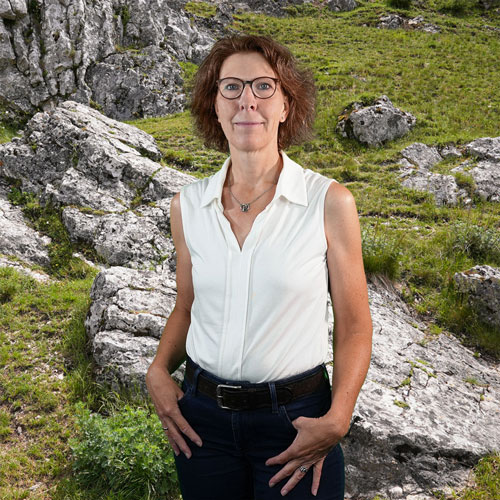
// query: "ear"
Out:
[286,109]
[216,108]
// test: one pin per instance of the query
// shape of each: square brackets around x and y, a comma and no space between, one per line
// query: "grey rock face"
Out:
[94,167]
[342,5]
[131,85]
[482,286]
[127,316]
[56,50]
[421,155]
[444,187]
[375,124]
[426,413]
[17,238]
[395,21]
[485,175]
[485,148]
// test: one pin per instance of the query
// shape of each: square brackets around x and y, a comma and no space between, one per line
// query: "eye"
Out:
[263,86]
[232,86]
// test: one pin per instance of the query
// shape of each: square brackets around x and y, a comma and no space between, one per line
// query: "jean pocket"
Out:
[312,406]
[188,389]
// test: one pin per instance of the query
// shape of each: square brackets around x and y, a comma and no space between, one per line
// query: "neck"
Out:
[254,169]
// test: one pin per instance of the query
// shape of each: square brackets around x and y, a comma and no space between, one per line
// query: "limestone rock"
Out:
[341,5]
[450,151]
[485,148]
[126,318]
[56,50]
[427,412]
[133,85]
[486,174]
[114,199]
[375,124]
[395,21]
[421,155]
[17,238]
[444,187]
[482,286]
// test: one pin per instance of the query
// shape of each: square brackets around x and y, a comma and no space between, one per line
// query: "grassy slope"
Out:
[448,80]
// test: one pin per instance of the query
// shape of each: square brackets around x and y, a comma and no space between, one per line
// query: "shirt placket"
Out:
[237,307]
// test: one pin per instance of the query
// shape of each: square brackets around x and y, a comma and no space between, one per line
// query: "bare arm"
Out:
[353,337]
[348,289]
[171,352]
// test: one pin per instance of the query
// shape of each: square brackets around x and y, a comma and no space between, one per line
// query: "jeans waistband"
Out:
[240,395]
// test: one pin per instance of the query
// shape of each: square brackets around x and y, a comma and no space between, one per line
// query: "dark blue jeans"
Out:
[236,444]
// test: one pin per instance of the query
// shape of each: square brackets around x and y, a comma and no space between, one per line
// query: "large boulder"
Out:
[56,50]
[125,320]
[481,285]
[427,412]
[114,196]
[375,124]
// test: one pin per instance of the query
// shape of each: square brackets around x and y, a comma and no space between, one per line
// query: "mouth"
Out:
[248,124]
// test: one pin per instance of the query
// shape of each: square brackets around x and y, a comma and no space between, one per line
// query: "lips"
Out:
[248,124]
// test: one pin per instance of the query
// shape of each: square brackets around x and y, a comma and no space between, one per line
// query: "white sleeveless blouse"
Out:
[260,313]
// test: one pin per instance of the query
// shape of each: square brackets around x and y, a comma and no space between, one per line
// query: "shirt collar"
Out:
[291,184]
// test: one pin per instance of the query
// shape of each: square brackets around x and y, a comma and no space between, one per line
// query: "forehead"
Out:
[246,65]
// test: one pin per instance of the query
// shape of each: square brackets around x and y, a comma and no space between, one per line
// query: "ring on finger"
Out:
[303,469]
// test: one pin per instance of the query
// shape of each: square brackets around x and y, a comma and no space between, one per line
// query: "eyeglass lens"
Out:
[232,88]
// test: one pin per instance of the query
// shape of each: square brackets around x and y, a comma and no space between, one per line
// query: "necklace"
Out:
[245,207]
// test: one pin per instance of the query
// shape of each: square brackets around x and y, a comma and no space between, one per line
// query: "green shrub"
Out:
[381,253]
[479,243]
[126,454]
[399,4]
[457,6]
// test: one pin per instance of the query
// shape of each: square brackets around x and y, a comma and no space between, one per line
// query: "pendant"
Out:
[244,207]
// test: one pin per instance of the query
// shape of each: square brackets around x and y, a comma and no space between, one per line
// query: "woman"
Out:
[259,245]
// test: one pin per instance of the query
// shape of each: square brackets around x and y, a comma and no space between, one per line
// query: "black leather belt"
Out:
[251,397]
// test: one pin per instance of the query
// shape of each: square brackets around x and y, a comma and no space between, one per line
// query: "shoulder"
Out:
[341,215]
[338,197]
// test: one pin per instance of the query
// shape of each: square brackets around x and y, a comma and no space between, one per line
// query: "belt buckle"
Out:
[220,396]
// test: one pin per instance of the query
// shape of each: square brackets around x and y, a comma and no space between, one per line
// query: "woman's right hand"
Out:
[165,394]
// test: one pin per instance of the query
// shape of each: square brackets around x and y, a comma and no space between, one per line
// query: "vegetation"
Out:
[51,408]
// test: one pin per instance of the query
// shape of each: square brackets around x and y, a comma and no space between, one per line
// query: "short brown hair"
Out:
[297,85]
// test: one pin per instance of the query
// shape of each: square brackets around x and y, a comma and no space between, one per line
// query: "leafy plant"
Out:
[125,453]
[479,243]
[381,253]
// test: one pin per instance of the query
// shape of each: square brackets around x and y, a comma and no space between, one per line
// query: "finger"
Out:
[318,467]
[293,481]
[284,472]
[283,457]
[185,428]
[175,436]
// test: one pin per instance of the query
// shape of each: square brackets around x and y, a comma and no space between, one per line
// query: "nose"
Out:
[247,98]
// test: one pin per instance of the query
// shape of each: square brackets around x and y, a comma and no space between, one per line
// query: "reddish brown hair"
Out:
[297,85]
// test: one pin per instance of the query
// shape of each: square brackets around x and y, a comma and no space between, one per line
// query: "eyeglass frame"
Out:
[276,80]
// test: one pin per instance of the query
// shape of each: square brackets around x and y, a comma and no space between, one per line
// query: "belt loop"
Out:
[197,372]
[274,398]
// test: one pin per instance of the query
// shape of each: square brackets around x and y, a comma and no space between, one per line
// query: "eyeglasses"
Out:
[263,87]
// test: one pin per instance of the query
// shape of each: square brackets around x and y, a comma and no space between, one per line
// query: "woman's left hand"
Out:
[315,438]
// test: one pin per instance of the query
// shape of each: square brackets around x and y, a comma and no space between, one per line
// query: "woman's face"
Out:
[250,123]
